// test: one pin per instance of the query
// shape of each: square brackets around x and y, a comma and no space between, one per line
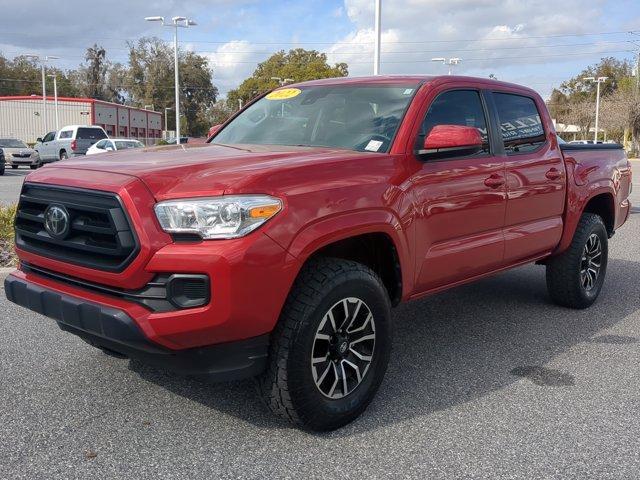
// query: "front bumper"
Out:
[10,161]
[112,329]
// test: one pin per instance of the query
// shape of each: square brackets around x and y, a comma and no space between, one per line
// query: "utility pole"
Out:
[599,80]
[182,22]
[55,98]
[378,37]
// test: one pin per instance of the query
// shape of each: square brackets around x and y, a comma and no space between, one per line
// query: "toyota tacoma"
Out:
[278,249]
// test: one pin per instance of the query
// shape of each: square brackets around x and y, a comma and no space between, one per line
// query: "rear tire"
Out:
[575,277]
[63,155]
[324,383]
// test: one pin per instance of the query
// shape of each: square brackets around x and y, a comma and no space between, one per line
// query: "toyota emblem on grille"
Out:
[56,221]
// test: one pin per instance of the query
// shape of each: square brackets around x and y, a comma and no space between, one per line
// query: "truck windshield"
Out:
[354,117]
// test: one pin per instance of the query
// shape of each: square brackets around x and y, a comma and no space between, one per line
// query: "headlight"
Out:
[217,217]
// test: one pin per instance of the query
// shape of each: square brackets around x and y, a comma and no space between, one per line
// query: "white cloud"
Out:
[232,62]
[489,35]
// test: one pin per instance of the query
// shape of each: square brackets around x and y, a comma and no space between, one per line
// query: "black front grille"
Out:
[99,236]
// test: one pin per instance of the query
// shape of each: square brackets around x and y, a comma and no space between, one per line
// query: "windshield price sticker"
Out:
[284,94]
[373,145]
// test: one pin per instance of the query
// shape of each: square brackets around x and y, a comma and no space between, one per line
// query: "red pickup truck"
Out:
[278,249]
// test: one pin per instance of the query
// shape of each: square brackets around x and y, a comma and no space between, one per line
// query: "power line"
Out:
[481,39]
[416,52]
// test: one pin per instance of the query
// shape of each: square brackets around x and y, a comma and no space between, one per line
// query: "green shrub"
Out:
[7,253]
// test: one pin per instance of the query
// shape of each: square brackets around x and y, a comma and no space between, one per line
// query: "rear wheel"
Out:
[331,347]
[63,155]
[575,278]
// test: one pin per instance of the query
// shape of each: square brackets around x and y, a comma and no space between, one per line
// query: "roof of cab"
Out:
[412,79]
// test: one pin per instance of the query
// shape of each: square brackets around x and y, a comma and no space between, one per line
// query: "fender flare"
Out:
[328,230]
[575,208]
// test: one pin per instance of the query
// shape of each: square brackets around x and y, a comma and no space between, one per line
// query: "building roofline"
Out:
[76,100]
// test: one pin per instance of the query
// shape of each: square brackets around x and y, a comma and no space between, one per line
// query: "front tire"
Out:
[330,349]
[15,167]
[575,278]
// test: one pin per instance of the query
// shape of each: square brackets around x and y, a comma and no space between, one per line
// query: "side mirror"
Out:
[452,139]
[213,130]
[39,140]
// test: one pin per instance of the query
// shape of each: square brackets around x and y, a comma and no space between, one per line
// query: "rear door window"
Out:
[86,133]
[520,123]
[66,134]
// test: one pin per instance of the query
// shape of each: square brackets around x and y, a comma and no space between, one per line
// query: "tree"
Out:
[219,112]
[151,82]
[22,76]
[574,101]
[299,65]
[197,91]
[95,72]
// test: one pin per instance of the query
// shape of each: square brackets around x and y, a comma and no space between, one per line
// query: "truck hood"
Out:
[181,171]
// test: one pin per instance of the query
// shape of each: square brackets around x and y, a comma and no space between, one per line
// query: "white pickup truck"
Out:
[70,141]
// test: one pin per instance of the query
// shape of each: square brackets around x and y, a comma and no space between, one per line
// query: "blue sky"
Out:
[533,42]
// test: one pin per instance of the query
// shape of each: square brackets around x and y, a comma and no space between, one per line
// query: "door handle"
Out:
[553,174]
[494,181]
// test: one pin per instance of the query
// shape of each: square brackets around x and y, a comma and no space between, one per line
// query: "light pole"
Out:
[182,22]
[55,98]
[452,62]
[166,109]
[598,80]
[42,60]
[376,49]
[283,81]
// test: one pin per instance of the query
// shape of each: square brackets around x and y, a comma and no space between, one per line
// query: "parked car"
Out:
[70,141]
[17,153]
[278,250]
[583,142]
[110,145]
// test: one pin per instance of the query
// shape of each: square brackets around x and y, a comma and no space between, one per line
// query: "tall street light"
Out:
[376,49]
[166,110]
[283,81]
[452,62]
[55,97]
[598,80]
[182,22]
[42,60]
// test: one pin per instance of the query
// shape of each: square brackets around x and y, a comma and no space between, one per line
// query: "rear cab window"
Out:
[66,134]
[89,133]
[520,123]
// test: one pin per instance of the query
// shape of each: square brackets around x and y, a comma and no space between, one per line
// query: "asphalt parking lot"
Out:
[11,183]
[488,381]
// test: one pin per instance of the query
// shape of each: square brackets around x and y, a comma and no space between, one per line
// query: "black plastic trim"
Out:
[113,330]
[153,296]
[590,146]
[80,252]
